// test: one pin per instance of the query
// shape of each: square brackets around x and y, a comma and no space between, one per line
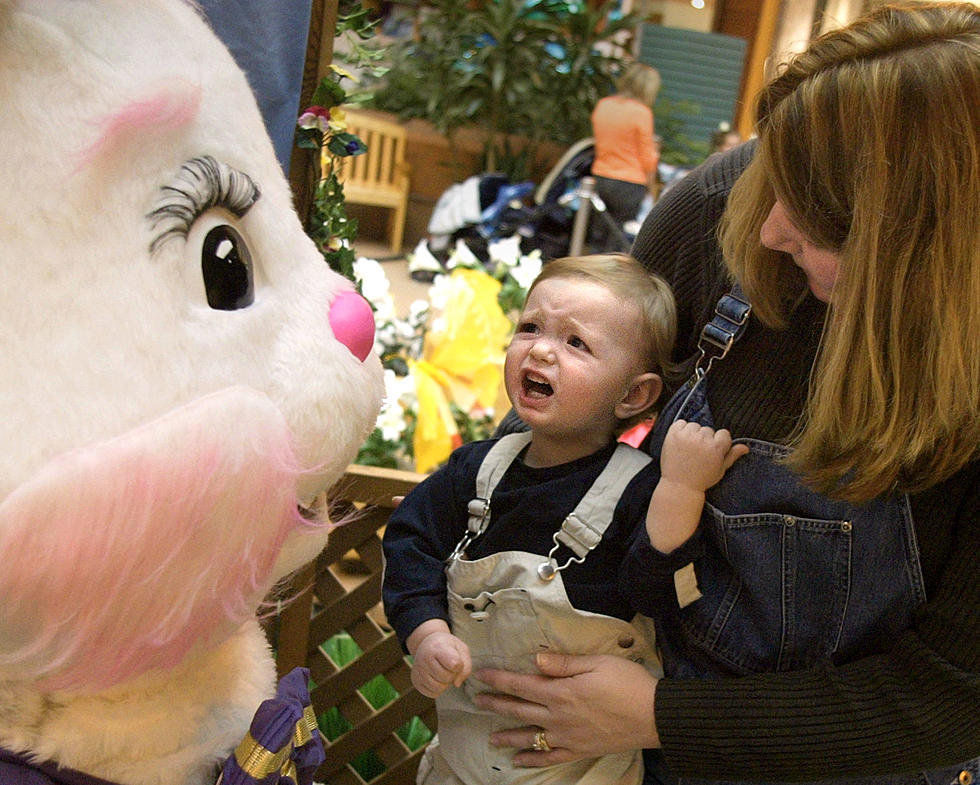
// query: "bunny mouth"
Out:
[316,510]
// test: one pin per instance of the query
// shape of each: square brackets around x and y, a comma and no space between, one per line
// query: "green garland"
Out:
[321,129]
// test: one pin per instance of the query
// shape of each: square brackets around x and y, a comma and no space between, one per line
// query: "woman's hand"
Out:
[587,706]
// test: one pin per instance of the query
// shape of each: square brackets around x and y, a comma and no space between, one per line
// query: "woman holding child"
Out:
[823,622]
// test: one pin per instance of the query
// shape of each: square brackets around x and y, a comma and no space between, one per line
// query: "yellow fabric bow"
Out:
[462,362]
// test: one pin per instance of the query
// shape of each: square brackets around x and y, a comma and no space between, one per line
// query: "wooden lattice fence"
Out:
[335,627]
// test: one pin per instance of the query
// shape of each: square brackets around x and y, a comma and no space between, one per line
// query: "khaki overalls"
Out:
[510,605]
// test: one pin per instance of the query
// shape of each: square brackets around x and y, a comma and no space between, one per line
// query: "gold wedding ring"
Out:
[540,742]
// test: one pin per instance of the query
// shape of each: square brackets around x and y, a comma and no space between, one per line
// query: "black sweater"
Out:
[915,707]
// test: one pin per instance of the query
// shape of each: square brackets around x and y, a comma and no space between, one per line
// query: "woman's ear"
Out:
[642,393]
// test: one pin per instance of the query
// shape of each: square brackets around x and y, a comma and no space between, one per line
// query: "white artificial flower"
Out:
[374,283]
[384,312]
[391,386]
[376,289]
[391,419]
[386,333]
[400,395]
[506,252]
[421,259]
[527,269]
[418,311]
[462,256]
[439,293]
[404,388]
[439,325]
[391,422]
[405,330]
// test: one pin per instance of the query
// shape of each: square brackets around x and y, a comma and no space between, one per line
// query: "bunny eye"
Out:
[202,206]
[226,266]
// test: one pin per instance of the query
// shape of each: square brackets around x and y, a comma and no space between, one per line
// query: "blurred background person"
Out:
[724,138]
[626,153]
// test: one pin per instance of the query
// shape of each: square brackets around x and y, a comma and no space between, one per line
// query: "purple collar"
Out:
[19,769]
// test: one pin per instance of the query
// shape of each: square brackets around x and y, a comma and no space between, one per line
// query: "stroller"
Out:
[486,208]
[548,224]
[568,196]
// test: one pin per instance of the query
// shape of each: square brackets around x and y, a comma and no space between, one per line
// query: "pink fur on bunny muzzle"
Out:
[123,556]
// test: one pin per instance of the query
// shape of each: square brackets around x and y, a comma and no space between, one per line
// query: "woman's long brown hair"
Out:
[871,140]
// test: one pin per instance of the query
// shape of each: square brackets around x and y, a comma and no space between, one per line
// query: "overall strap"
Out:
[495,463]
[726,326]
[717,338]
[584,526]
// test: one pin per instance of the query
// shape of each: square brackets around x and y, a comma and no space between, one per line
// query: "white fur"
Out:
[161,728]
[98,336]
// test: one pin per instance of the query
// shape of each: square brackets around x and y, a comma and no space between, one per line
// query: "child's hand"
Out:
[693,458]
[697,456]
[441,659]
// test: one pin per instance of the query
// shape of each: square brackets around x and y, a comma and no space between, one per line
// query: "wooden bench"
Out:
[337,599]
[378,177]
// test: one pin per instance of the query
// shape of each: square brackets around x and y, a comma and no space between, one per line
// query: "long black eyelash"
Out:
[201,184]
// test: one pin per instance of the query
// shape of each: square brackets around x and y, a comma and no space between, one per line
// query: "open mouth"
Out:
[536,386]
[317,509]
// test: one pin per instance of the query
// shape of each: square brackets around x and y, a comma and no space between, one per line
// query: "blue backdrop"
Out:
[268,41]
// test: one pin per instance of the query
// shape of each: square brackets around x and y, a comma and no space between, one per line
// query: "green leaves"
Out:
[344,144]
[319,130]
[530,68]
[330,228]
[329,93]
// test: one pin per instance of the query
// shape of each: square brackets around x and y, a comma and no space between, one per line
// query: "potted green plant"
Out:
[530,69]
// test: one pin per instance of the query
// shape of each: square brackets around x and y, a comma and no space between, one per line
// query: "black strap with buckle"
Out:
[726,327]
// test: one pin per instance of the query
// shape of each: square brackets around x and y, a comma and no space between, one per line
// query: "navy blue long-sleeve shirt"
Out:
[527,508]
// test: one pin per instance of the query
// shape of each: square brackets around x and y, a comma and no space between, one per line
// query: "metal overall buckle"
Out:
[575,534]
[731,317]
[479,512]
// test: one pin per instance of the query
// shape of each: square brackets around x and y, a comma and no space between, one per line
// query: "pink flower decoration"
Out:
[315,117]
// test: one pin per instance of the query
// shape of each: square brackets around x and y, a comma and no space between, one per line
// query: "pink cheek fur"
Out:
[122,557]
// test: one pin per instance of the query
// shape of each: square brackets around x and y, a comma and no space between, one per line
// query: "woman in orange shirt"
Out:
[626,154]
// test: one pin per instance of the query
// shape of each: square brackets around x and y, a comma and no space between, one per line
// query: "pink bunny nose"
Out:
[352,321]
